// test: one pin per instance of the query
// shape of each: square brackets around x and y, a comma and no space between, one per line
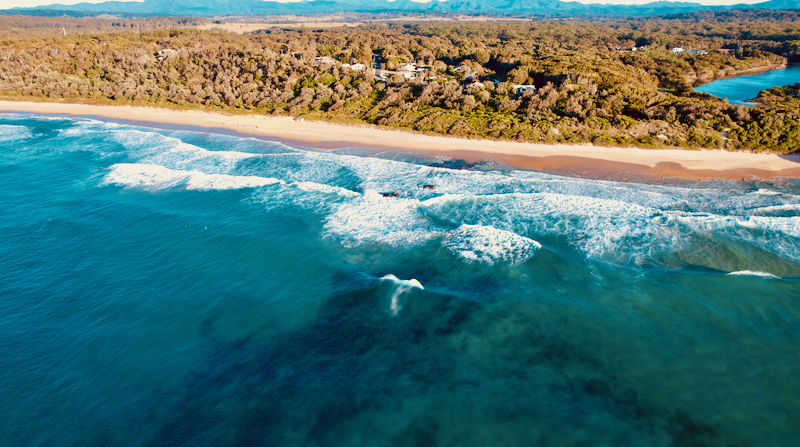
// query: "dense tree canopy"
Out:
[590,86]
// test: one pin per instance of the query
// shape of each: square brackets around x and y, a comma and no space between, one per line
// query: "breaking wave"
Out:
[487,245]
[752,273]
[10,132]
[372,218]
[148,176]
[399,287]
[482,217]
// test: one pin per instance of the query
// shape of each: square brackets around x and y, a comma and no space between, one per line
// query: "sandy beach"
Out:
[585,160]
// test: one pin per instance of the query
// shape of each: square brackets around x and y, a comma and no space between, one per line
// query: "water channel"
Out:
[739,89]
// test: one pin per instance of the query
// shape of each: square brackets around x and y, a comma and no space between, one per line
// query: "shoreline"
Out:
[745,72]
[570,159]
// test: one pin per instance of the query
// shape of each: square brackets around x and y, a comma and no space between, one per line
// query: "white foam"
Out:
[611,229]
[487,245]
[9,132]
[410,283]
[372,218]
[85,126]
[789,226]
[782,208]
[148,176]
[202,181]
[154,148]
[327,189]
[781,235]
[498,215]
[765,192]
[600,227]
[619,222]
[400,286]
[752,273]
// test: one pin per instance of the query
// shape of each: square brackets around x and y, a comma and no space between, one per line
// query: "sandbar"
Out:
[575,159]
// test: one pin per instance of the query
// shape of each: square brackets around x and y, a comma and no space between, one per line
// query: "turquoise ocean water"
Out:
[170,287]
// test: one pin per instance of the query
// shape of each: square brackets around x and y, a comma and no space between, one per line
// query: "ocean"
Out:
[182,288]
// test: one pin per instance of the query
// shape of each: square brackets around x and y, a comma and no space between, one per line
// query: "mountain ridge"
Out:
[262,7]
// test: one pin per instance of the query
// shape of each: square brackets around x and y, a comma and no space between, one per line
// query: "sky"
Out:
[6,4]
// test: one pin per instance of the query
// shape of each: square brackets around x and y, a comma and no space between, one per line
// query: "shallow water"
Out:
[739,89]
[179,288]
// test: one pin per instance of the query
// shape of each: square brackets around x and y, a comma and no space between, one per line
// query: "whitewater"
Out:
[176,287]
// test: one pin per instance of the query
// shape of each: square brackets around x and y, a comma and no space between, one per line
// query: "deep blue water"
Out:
[739,89]
[163,287]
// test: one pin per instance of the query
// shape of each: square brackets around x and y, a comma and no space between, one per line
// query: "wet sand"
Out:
[580,160]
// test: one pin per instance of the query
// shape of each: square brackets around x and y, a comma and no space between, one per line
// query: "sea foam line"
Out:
[752,273]
[149,176]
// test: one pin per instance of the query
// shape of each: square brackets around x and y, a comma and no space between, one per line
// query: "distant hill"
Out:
[739,15]
[261,7]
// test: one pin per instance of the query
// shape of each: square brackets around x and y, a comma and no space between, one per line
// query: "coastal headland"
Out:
[584,160]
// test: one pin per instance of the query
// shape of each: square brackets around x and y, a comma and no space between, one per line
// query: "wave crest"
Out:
[148,176]
[487,245]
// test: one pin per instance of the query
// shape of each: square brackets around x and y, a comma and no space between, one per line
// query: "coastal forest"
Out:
[607,81]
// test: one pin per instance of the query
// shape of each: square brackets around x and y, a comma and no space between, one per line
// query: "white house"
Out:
[678,50]
[408,74]
[522,88]
[323,60]
[165,53]
[355,67]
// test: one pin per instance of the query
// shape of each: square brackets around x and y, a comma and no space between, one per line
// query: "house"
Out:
[165,53]
[323,60]
[522,88]
[678,50]
[355,66]
[408,74]
[408,71]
